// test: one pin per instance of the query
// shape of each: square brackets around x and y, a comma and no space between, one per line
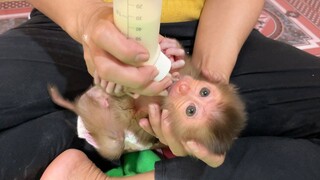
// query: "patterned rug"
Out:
[13,13]
[296,22]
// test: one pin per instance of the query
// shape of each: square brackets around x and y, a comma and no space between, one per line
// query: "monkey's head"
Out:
[210,113]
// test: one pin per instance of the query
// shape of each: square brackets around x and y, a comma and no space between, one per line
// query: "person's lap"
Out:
[32,129]
[252,158]
[32,56]
[28,148]
[281,88]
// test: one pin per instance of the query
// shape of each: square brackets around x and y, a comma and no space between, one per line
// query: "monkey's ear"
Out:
[199,151]
[98,95]
[104,102]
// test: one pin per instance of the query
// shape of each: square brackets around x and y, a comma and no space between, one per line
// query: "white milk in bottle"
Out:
[140,20]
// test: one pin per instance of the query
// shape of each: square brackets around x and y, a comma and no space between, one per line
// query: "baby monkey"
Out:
[209,112]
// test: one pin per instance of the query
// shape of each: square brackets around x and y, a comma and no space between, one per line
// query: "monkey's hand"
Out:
[171,48]
[174,51]
[176,65]
[159,126]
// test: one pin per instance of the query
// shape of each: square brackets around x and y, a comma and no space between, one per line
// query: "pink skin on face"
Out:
[187,91]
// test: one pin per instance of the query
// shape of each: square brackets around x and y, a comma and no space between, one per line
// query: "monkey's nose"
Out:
[183,89]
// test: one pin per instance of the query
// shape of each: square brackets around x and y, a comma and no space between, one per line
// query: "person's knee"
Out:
[73,154]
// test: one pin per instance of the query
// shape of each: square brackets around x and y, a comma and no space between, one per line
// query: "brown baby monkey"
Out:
[208,112]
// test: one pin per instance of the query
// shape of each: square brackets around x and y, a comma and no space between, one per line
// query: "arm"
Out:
[68,14]
[106,50]
[223,28]
[218,42]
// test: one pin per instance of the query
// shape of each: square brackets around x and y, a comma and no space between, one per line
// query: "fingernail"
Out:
[163,93]
[142,57]
[170,82]
[142,122]
[165,117]
[152,109]
[180,63]
[154,73]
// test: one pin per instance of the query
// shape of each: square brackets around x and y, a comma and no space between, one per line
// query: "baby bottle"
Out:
[140,20]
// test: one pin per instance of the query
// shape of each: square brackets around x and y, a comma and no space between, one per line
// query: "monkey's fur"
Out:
[107,118]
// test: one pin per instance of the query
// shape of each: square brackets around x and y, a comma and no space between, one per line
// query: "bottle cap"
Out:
[163,64]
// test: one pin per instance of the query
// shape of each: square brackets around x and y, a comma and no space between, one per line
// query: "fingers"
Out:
[118,89]
[103,84]
[155,121]
[163,93]
[154,88]
[158,88]
[166,43]
[178,52]
[177,64]
[110,39]
[135,79]
[111,60]
[203,154]
[110,87]
[172,48]
[96,78]
[145,125]
[174,51]
[109,69]
[88,59]
[174,144]
[133,95]
[159,125]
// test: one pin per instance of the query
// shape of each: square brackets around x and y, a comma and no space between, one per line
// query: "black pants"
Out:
[280,85]
[281,88]
[33,131]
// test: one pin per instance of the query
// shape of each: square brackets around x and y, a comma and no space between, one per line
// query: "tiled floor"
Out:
[296,22]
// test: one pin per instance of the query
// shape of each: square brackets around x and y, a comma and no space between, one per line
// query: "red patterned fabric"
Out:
[296,22]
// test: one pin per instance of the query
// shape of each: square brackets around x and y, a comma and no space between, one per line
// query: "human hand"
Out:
[108,87]
[170,47]
[114,57]
[159,126]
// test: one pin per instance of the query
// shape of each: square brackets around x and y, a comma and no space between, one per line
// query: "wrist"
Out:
[70,14]
[215,66]
[91,14]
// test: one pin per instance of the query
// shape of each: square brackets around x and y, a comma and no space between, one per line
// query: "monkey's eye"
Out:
[204,92]
[191,110]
